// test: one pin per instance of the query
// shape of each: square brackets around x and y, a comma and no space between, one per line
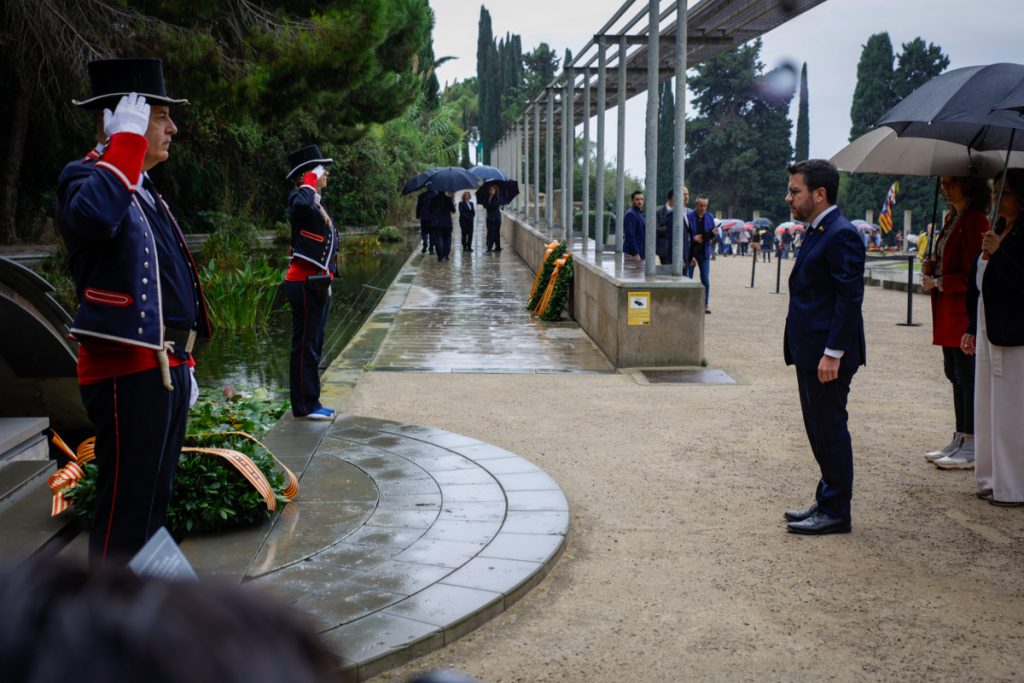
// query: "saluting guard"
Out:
[313,265]
[141,306]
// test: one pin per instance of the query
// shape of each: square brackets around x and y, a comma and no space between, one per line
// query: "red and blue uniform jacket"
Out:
[133,273]
[314,237]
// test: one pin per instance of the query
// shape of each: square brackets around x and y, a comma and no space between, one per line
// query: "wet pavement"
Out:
[468,314]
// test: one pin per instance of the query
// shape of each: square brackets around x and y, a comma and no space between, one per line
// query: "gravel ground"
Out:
[678,565]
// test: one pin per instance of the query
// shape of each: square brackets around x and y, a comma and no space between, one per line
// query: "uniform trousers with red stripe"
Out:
[140,428]
[309,317]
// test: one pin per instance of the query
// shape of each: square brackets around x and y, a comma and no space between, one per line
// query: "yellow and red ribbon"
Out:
[67,477]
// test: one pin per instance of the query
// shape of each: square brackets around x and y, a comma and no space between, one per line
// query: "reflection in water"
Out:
[260,358]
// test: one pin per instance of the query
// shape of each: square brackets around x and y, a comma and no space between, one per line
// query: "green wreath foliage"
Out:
[560,295]
[209,494]
[547,268]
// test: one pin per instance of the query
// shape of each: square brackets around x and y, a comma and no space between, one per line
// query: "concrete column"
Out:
[550,164]
[620,161]
[651,182]
[569,110]
[680,245]
[526,166]
[602,104]
[563,166]
[536,165]
[586,157]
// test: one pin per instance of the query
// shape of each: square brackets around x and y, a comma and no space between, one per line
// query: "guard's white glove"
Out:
[130,116]
[319,171]
[193,395]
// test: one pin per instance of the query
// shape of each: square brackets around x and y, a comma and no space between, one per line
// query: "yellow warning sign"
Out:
[639,310]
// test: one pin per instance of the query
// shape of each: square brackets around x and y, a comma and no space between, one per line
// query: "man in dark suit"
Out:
[824,338]
[663,229]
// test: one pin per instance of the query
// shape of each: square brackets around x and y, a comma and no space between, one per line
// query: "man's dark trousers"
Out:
[443,243]
[309,316]
[467,235]
[493,235]
[704,264]
[825,419]
[140,428]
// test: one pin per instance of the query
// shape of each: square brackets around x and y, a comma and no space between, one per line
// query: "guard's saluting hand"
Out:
[131,115]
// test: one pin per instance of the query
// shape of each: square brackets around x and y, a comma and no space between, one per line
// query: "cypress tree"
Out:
[873,96]
[485,69]
[803,124]
[666,138]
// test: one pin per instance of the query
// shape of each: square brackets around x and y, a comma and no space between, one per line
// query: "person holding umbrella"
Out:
[945,277]
[441,209]
[493,206]
[307,284]
[467,214]
[423,214]
[995,334]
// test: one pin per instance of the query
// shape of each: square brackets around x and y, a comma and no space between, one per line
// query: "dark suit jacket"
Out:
[1003,290]
[702,227]
[466,215]
[826,289]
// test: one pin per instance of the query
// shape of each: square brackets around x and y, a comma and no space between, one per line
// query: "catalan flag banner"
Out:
[885,216]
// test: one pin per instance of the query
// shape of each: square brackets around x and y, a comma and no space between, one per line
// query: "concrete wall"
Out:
[600,300]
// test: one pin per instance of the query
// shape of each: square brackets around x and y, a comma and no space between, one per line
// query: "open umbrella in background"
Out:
[507,191]
[881,150]
[451,179]
[486,173]
[418,181]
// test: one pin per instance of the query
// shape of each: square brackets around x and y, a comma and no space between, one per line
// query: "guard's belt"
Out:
[183,340]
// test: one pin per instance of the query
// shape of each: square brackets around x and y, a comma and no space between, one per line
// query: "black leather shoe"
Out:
[820,524]
[801,514]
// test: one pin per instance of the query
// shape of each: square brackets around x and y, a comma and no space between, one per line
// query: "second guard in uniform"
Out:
[307,285]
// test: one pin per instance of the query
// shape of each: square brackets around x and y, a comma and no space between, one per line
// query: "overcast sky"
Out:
[829,38]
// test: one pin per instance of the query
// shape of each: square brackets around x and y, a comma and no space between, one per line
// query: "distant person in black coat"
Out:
[423,213]
[493,206]
[441,209]
[467,214]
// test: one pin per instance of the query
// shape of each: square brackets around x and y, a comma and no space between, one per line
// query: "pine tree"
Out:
[803,122]
[738,145]
[872,97]
[666,138]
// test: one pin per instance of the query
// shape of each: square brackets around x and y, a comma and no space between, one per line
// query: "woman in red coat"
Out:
[956,247]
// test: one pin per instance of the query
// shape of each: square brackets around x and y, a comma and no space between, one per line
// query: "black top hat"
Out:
[112,79]
[305,159]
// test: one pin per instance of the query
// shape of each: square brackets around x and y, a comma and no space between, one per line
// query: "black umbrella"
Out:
[418,181]
[451,179]
[507,190]
[487,173]
[957,107]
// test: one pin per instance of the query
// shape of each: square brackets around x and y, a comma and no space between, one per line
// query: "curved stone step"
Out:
[453,532]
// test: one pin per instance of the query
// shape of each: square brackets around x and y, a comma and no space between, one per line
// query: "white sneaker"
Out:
[948,449]
[962,459]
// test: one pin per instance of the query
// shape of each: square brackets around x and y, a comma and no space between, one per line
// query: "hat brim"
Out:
[306,165]
[111,99]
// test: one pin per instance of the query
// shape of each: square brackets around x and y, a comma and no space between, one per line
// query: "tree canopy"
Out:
[738,145]
[263,77]
[882,81]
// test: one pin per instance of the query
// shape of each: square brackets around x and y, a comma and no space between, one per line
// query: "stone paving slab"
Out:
[403,537]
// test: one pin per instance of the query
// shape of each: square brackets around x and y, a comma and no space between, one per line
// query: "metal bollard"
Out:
[753,269]
[910,294]
[778,273]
